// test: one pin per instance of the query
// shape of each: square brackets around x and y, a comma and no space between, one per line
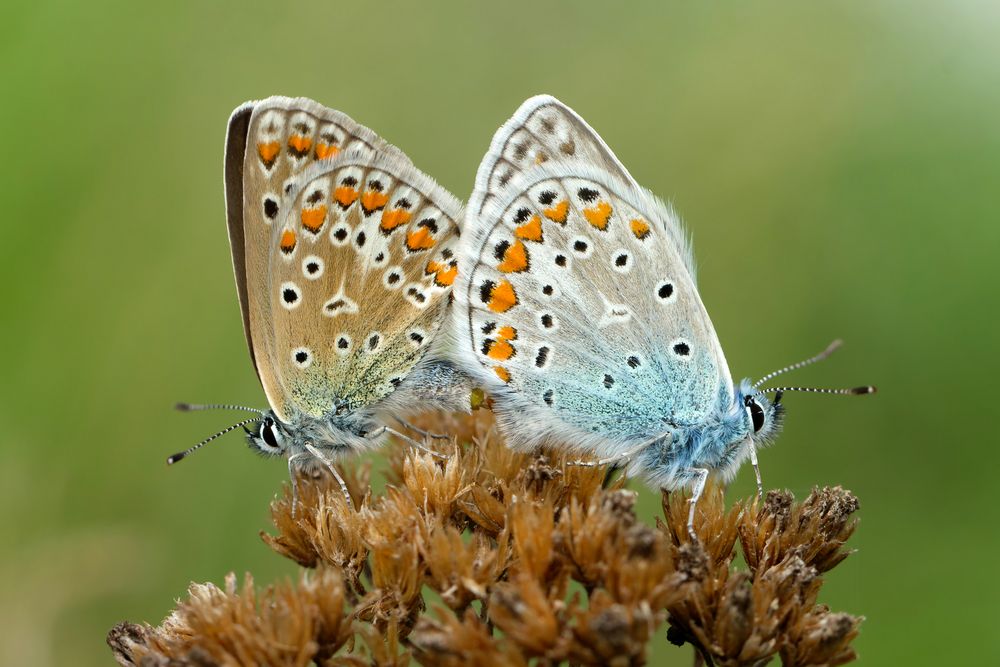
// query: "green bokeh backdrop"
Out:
[837,164]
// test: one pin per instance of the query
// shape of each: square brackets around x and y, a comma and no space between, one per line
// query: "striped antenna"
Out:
[852,391]
[830,349]
[193,407]
[180,455]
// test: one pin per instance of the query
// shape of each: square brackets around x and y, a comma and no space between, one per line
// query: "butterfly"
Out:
[345,256]
[578,310]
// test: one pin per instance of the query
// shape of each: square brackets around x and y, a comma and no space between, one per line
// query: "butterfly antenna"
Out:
[830,349]
[192,407]
[852,391]
[180,455]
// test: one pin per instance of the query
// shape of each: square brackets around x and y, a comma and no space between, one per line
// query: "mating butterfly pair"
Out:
[575,302]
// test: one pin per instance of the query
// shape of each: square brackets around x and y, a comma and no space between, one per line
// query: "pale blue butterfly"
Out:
[579,312]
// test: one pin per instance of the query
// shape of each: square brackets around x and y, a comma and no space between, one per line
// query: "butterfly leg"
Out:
[697,487]
[416,429]
[756,468]
[343,485]
[622,458]
[408,440]
[295,484]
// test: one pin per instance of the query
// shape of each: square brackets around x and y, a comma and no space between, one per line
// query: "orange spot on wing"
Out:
[313,218]
[432,267]
[558,212]
[345,196]
[639,228]
[373,201]
[299,145]
[507,333]
[446,276]
[502,298]
[420,239]
[324,151]
[394,218]
[515,259]
[500,350]
[287,243]
[531,230]
[268,152]
[598,215]
[502,373]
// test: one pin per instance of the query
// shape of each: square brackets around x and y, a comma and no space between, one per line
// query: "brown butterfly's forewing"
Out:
[317,231]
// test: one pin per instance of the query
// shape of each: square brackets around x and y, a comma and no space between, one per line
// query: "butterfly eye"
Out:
[270,433]
[756,413]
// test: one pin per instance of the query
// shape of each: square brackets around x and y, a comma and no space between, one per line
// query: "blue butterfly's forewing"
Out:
[579,305]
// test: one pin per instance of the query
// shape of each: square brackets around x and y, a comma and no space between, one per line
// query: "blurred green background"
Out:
[837,164]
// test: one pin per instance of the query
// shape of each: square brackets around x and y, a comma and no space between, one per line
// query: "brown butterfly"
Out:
[344,255]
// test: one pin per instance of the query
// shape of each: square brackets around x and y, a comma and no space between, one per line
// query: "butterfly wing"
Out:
[544,130]
[346,256]
[267,143]
[578,305]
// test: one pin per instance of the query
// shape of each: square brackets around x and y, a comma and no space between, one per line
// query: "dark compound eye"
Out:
[756,413]
[268,433]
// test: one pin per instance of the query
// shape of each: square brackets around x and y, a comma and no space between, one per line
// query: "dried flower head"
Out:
[521,558]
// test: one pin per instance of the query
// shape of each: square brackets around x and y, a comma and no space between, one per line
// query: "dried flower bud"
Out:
[524,613]
[815,530]
[232,626]
[821,638]
[450,642]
